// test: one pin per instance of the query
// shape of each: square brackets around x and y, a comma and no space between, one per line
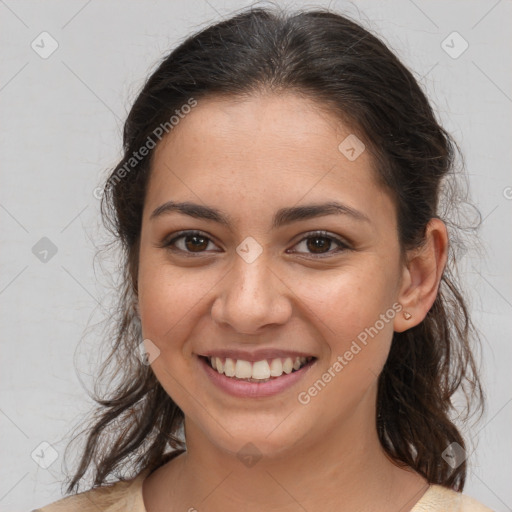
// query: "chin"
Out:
[258,438]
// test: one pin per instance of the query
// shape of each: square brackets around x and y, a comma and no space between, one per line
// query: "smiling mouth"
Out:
[258,371]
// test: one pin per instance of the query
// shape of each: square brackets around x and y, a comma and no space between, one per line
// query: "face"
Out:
[245,276]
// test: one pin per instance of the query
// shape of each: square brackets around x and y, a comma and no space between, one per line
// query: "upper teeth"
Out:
[258,370]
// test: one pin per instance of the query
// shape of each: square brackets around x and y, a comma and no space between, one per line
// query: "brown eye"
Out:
[195,243]
[320,244]
[189,242]
[316,244]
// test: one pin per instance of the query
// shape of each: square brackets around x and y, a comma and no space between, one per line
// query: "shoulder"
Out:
[442,499]
[122,496]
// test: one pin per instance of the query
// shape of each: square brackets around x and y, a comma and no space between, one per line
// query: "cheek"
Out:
[356,323]
[347,302]
[167,298]
[354,317]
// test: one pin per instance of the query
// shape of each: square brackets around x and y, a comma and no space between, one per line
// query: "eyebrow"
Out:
[282,217]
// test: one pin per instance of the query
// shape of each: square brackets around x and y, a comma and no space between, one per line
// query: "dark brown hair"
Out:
[341,65]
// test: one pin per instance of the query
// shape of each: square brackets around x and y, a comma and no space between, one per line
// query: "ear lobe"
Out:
[422,275]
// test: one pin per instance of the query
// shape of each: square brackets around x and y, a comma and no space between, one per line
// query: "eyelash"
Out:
[342,246]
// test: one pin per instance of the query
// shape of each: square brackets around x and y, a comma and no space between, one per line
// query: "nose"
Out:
[252,296]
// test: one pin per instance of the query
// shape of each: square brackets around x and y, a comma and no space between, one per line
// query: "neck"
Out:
[347,467]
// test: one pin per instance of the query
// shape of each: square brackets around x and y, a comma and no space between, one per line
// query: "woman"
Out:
[290,279]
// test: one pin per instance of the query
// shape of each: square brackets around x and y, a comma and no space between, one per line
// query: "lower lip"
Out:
[246,389]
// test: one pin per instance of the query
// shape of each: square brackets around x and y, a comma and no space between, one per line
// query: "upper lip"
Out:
[256,355]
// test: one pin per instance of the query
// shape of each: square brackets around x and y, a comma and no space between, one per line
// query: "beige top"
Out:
[127,497]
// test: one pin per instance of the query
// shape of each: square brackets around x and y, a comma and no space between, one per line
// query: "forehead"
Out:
[266,149]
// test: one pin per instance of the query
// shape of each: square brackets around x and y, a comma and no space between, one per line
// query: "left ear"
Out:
[421,276]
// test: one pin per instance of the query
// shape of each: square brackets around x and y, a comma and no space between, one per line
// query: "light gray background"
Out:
[61,130]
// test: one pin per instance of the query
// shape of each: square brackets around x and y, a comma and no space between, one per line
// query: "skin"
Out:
[249,158]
